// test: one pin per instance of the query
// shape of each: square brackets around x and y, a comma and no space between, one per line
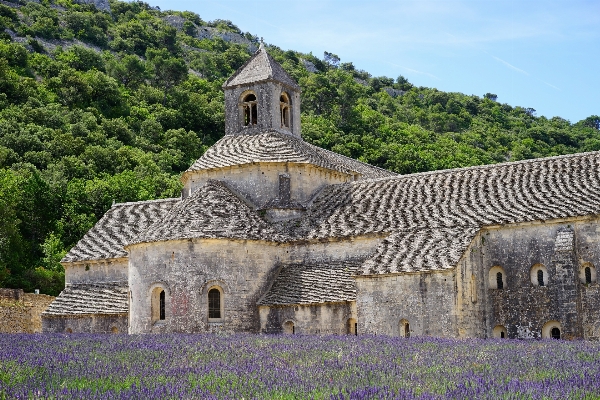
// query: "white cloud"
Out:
[510,65]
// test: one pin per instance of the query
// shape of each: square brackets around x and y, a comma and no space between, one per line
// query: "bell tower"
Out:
[260,97]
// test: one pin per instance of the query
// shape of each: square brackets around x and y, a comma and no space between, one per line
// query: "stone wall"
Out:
[115,270]
[244,270]
[326,318]
[97,323]
[522,306]
[427,301]
[21,312]
[259,182]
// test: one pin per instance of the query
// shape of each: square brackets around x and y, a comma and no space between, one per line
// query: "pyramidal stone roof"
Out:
[117,227]
[273,146]
[309,284]
[212,211]
[261,67]
[90,298]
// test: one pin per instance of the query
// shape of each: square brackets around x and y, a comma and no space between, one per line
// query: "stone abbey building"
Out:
[275,235]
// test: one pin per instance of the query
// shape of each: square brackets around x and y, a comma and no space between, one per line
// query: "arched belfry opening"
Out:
[249,106]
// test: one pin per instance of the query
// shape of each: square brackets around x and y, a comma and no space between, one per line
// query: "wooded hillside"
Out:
[99,106]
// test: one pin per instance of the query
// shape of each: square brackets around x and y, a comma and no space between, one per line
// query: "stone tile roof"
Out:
[90,298]
[121,224]
[418,251]
[273,146]
[212,211]
[312,284]
[259,68]
[430,217]
[460,201]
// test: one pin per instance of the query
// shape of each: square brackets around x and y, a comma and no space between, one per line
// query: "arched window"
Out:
[500,332]
[114,329]
[587,273]
[158,304]
[214,304]
[249,109]
[551,330]
[351,325]
[284,108]
[404,328]
[289,328]
[497,278]
[69,330]
[539,275]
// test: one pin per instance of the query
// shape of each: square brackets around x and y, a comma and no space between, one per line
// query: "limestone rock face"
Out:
[102,5]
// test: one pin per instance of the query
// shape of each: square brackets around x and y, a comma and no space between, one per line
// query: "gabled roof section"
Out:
[90,298]
[326,282]
[463,199]
[432,217]
[117,228]
[273,146]
[212,211]
[260,67]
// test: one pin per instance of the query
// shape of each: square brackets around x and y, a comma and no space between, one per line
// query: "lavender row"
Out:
[293,367]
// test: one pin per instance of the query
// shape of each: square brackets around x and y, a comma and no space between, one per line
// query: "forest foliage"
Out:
[99,107]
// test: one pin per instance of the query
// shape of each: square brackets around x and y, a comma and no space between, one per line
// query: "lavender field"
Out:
[293,367]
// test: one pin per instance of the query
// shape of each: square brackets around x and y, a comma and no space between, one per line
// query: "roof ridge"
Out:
[103,283]
[352,159]
[480,167]
[129,203]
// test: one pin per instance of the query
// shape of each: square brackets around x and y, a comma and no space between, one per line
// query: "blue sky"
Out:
[539,54]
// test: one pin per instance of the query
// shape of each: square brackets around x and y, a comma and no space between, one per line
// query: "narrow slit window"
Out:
[284,107]
[502,335]
[404,328]
[540,277]
[162,305]
[588,275]
[555,333]
[499,281]
[214,303]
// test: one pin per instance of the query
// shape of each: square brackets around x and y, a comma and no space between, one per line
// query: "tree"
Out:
[10,238]
[591,122]
[491,96]
[168,71]
[331,59]
[80,58]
